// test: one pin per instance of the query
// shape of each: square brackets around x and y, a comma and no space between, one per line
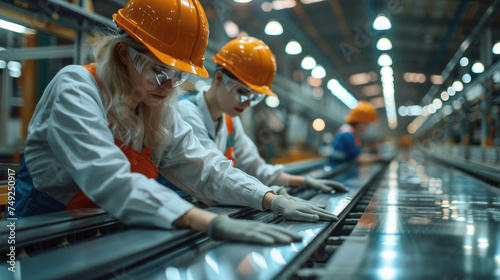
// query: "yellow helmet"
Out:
[175,31]
[364,112]
[251,61]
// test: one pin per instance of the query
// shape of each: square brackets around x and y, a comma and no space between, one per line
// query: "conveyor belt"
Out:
[245,261]
[59,230]
[316,168]
[428,222]
[41,233]
[488,173]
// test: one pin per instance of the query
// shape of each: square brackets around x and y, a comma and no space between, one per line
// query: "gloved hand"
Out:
[224,228]
[280,190]
[300,211]
[324,185]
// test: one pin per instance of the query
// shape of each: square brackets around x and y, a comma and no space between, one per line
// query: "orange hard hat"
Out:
[251,61]
[364,112]
[175,31]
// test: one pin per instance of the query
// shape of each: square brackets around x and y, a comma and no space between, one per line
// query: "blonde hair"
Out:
[155,123]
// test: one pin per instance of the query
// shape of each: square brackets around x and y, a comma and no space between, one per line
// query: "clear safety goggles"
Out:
[242,92]
[155,71]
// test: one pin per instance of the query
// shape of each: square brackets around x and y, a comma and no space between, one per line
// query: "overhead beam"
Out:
[429,8]
[346,32]
[409,20]
[450,30]
[309,46]
[316,36]
[49,52]
[65,9]
[29,81]
[14,14]
[485,19]
[469,18]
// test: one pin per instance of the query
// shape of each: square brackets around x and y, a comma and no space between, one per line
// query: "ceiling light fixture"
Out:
[231,28]
[464,61]
[283,4]
[318,124]
[466,78]
[342,94]
[496,48]
[437,79]
[384,60]
[272,101]
[318,72]
[478,67]
[308,63]
[382,23]
[437,103]
[445,96]
[384,44]
[273,28]
[293,47]
[14,27]
[457,86]
[266,7]
[360,79]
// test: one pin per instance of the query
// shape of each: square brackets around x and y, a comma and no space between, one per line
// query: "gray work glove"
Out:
[300,211]
[280,190]
[324,185]
[224,228]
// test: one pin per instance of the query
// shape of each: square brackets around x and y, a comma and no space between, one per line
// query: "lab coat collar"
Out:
[207,118]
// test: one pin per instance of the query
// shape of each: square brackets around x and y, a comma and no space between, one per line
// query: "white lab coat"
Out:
[69,145]
[245,152]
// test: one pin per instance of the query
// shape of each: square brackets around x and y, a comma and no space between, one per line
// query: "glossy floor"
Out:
[425,221]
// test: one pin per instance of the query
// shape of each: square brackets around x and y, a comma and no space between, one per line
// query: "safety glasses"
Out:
[155,71]
[242,92]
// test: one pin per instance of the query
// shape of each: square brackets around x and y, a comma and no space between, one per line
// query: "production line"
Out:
[432,216]
[107,255]
[423,222]
[252,140]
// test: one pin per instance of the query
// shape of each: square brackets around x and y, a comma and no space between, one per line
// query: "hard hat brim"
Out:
[178,64]
[262,89]
[350,119]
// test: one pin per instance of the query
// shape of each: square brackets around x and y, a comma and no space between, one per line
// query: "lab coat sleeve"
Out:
[248,158]
[79,137]
[206,174]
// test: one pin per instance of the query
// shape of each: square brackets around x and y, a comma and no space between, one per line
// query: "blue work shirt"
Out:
[346,146]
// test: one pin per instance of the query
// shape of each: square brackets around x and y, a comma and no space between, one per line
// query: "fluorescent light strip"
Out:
[388,92]
[342,94]
[14,27]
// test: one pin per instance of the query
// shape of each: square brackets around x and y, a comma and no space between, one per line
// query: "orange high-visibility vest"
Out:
[230,143]
[139,163]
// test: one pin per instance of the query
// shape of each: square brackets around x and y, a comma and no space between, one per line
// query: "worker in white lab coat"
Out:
[243,77]
[102,132]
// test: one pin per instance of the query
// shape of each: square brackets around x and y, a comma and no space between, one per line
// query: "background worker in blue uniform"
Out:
[347,142]
[102,132]
[244,75]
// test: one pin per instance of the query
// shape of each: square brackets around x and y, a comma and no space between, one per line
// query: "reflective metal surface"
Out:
[429,222]
[52,218]
[246,261]
[101,255]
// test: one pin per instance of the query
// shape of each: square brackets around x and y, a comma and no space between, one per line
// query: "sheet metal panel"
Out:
[234,260]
